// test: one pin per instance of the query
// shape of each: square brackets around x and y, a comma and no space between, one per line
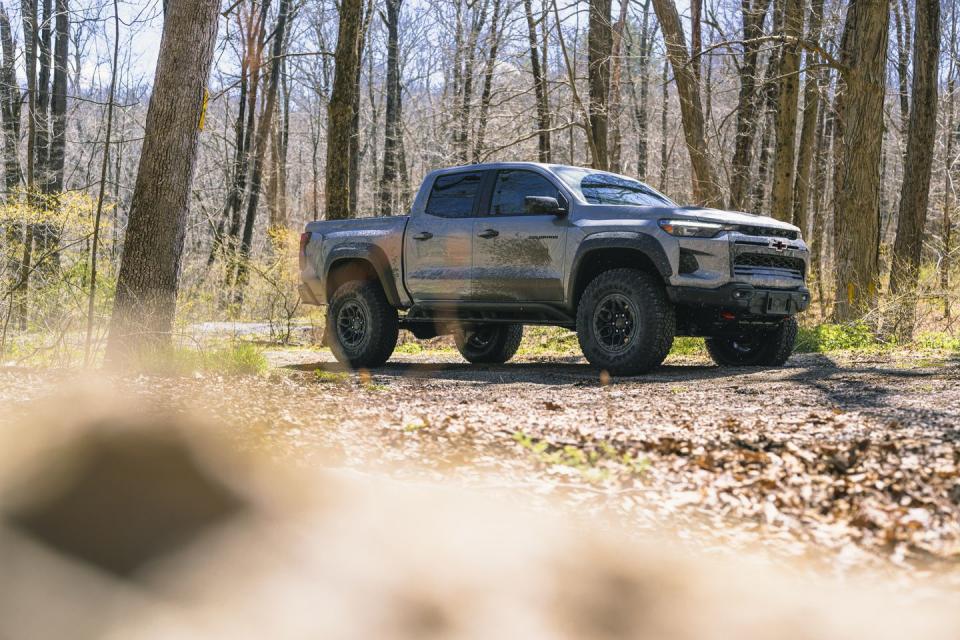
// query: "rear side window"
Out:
[453,195]
[513,186]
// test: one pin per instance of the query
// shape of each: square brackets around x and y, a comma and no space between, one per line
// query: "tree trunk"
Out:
[616,73]
[30,41]
[948,167]
[813,84]
[485,94]
[9,105]
[901,17]
[260,148]
[539,86]
[150,267]
[599,48]
[664,101]
[641,104]
[355,122]
[786,113]
[340,111]
[857,151]
[753,12]
[706,188]
[392,128]
[914,197]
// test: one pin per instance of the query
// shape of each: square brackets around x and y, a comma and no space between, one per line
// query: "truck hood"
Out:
[732,217]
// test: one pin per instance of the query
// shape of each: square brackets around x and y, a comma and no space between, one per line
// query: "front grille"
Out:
[767,232]
[768,264]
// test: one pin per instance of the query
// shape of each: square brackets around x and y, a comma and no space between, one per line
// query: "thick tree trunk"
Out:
[539,86]
[340,111]
[813,84]
[914,197]
[753,12]
[150,267]
[857,151]
[786,113]
[599,48]
[706,188]
[393,133]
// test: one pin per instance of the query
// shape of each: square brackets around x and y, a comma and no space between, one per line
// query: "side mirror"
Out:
[544,204]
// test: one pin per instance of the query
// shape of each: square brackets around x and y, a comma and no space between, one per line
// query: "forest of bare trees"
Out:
[136,179]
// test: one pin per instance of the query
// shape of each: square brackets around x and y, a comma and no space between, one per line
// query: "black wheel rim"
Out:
[351,324]
[480,338]
[743,346]
[615,323]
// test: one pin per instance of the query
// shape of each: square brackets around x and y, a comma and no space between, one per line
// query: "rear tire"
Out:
[757,348]
[489,343]
[362,325]
[625,323]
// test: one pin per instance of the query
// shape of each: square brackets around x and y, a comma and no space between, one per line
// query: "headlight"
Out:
[693,228]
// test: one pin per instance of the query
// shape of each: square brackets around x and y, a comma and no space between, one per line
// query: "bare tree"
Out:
[599,48]
[706,188]
[753,13]
[813,85]
[857,151]
[915,194]
[786,113]
[341,111]
[393,131]
[260,146]
[539,85]
[150,267]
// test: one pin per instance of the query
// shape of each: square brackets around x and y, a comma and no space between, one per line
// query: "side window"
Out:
[512,186]
[453,195]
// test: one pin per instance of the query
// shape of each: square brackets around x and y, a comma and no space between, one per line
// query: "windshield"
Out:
[598,187]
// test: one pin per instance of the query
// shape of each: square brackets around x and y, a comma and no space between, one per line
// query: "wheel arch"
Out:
[605,251]
[360,262]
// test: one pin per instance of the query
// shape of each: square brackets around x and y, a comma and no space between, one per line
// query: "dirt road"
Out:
[851,461]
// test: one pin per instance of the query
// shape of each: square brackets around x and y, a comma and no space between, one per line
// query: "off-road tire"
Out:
[769,348]
[652,326]
[490,343]
[378,336]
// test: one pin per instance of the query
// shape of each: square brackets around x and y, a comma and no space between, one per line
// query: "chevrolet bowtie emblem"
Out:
[779,245]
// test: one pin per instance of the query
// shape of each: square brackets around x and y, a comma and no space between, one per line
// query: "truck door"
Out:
[438,247]
[518,254]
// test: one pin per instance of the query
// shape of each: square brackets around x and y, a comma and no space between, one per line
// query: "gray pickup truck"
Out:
[489,248]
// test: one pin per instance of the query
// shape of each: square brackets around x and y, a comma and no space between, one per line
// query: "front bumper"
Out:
[743,299]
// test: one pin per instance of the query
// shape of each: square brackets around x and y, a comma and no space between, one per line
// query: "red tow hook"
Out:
[728,315]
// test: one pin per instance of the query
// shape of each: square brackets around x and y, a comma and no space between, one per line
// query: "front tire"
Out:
[771,348]
[489,343]
[625,323]
[362,326]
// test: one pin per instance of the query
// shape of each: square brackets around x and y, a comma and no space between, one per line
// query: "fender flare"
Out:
[634,240]
[369,253]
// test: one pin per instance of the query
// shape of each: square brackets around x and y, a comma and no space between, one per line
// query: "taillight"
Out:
[304,239]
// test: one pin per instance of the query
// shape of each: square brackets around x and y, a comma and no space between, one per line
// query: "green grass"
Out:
[595,460]
[330,377]
[233,358]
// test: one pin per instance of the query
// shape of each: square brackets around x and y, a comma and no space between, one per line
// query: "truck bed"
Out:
[331,240]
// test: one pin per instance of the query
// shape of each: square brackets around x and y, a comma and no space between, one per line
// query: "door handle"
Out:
[424,235]
[488,233]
